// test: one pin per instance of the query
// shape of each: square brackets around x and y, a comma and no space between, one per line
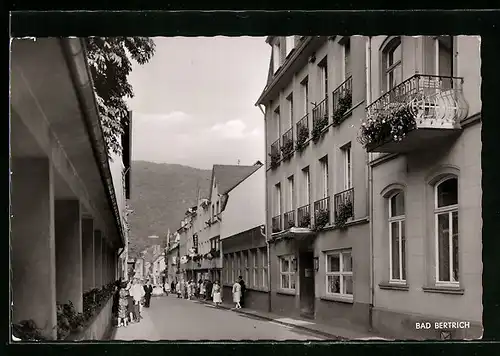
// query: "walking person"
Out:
[208,289]
[243,291]
[216,294]
[148,292]
[202,289]
[190,289]
[130,300]
[137,292]
[173,287]
[237,294]
[123,305]
[178,289]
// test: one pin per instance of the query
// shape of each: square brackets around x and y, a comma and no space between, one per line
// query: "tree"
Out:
[110,64]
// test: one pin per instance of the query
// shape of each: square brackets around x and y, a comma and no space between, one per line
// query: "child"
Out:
[216,294]
[123,305]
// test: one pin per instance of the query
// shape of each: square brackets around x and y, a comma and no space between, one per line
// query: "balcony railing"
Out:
[302,132]
[344,206]
[289,219]
[320,118]
[275,154]
[304,216]
[342,101]
[420,102]
[287,144]
[321,212]
[276,224]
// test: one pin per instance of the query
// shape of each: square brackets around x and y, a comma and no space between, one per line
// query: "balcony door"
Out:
[444,59]
[323,71]
[307,186]
[324,177]
[393,65]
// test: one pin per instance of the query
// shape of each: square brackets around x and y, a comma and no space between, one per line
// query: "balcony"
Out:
[320,119]
[419,112]
[276,224]
[302,133]
[289,219]
[321,213]
[342,101]
[275,154]
[287,144]
[344,207]
[304,216]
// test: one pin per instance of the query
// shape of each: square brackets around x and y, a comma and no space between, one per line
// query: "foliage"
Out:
[68,320]
[290,223]
[318,128]
[109,59]
[95,299]
[302,136]
[343,213]
[27,330]
[275,158]
[321,219]
[305,220]
[287,148]
[343,105]
[393,123]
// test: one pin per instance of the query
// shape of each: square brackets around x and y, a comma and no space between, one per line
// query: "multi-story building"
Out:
[316,179]
[422,130]
[243,240]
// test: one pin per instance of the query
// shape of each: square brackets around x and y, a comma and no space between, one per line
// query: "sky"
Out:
[194,101]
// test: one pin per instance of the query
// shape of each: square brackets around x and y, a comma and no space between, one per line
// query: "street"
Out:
[170,318]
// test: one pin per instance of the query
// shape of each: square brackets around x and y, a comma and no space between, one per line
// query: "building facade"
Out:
[243,241]
[316,179]
[426,202]
[66,224]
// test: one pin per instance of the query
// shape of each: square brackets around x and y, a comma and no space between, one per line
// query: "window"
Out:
[290,193]
[397,238]
[215,243]
[290,108]
[289,44]
[393,67]
[238,265]
[446,225]
[218,208]
[277,120]
[246,266]
[347,58]
[347,158]
[324,175]
[305,95]
[213,211]
[339,273]
[277,199]
[287,272]
[263,253]
[255,268]
[444,59]
[323,67]
[307,185]
[232,267]
[226,268]
[276,56]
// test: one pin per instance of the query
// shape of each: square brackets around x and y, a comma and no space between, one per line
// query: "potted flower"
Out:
[287,148]
[305,220]
[343,105]
[318,128]
[321,219]
[343,213]
[275,158]
[302,136]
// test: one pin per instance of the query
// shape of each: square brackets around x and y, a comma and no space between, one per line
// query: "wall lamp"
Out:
[316,263]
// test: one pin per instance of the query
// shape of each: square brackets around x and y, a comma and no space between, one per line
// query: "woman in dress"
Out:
[216,294]
[123,305]
[237,294]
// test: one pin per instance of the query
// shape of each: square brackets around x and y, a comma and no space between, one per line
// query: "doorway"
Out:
[306,277]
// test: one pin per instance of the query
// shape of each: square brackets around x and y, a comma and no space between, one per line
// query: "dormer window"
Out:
[277,55]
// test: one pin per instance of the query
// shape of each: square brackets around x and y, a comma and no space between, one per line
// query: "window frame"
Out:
[264,259]
[389,48]
[399,220]
[290,273]
[277,57]
[346,58]
[277,200]
[305,95]
[449,210]
[255,267]
[277,119]
[291,193]
[340,273]
[347,160]
[324,177]
[289,100]
[323,82]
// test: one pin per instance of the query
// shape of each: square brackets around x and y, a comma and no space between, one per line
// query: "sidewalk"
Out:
[328,331]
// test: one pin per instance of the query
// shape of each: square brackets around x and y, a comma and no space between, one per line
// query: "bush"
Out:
[287,148]
[302,136]
[305,220]
[321,219]
[343,105]
[275,158]
[27,330]
[343,213]
[318,127]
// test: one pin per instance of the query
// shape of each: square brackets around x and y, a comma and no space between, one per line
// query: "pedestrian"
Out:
[178,289]
[130,300]
[173,287]
[189,289]
[185,289]
[202,289]
[208,287]
[137,292]
[237,294]
[123,305]
[243,291]
[148,291]
[217,299]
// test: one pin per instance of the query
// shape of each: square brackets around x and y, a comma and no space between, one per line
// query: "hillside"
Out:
[160,195]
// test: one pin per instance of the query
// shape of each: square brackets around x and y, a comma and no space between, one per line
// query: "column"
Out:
[98,258]
[88,254]
[32,240]
[69,276]
[104,262]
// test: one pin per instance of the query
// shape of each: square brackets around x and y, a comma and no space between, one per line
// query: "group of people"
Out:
[130,297]
[206,290]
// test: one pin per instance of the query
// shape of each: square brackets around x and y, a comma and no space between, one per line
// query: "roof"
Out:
[228,176]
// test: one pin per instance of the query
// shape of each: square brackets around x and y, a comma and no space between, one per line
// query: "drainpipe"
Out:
[370,183]
[264,233]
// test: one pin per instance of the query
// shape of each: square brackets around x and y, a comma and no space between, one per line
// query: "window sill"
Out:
[258,289]
[444,290]
[286,292]
[339,299]
[394,286]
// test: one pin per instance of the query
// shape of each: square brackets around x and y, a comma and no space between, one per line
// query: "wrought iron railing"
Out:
[289,219]
[320,110]
[342,100]
[344,204]
[276,224]
[302,131]
[275,153]
[304,216]
[322,212]
[287,143]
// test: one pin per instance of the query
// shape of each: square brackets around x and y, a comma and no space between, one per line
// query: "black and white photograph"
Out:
[278,188]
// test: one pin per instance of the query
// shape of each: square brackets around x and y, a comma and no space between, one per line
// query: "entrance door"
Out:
[306,275]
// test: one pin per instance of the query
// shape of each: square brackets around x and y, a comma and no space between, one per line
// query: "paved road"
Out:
[170,318]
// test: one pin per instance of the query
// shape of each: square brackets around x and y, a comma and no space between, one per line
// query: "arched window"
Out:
[446,230]
[393,69]
[397,237]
